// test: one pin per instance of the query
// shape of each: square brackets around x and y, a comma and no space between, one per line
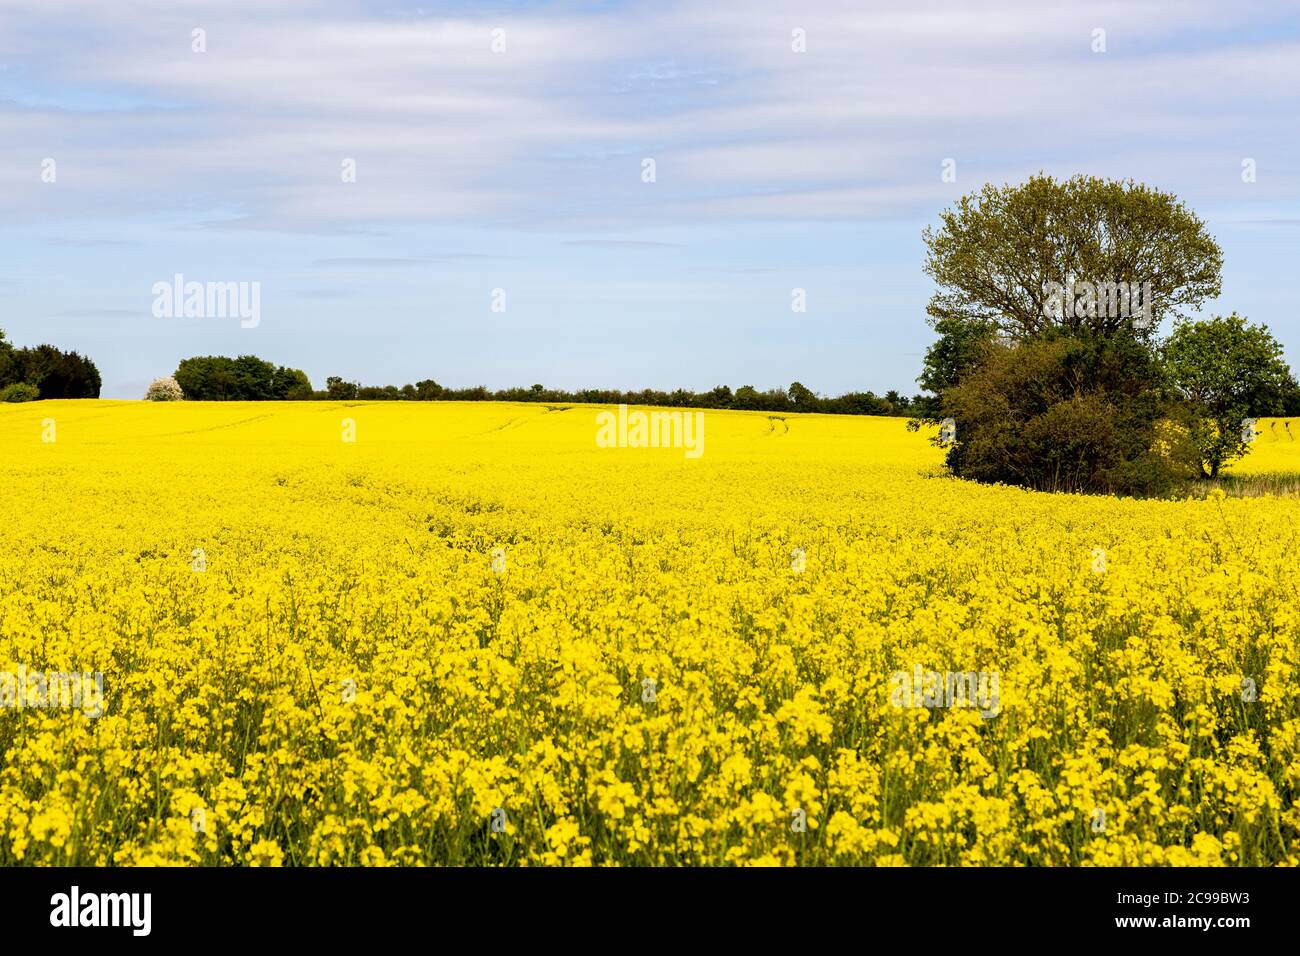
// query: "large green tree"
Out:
[1049,299]
[998,253]
[1048,307]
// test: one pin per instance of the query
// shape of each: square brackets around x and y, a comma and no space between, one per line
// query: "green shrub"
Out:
[19,392]
[1063,413]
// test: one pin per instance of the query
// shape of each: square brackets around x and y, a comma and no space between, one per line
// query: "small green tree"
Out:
[960,345]
[746,397]
[427,390]
[803,397]
[1229,371]
[290,384]
[339,390]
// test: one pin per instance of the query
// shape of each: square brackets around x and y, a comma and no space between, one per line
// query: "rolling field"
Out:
[472,636]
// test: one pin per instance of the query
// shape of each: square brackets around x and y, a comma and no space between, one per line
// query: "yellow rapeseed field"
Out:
[472,636]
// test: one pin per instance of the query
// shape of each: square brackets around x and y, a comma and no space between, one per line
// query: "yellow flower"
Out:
[474,637]
[265,853]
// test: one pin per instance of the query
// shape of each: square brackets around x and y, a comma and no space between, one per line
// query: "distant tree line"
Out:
[796,398]
[250,379]
[28,374]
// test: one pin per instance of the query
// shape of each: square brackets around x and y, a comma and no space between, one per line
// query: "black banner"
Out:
[535,905]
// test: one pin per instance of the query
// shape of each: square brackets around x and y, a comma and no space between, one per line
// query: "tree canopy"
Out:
[998,254]
[216,378]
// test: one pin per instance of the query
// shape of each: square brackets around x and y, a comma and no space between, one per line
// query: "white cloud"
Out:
[552,131]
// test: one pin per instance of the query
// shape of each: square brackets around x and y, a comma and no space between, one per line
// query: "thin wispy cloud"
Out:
[356,136]
[622,244]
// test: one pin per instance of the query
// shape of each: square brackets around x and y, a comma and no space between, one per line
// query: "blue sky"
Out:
[521,170]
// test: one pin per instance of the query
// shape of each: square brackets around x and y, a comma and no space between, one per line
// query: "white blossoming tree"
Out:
[164,390]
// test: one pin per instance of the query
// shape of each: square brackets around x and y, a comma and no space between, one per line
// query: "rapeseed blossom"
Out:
[472,635]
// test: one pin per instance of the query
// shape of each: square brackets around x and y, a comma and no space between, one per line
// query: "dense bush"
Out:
[19,392]
[1087,412]
[1062,413]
